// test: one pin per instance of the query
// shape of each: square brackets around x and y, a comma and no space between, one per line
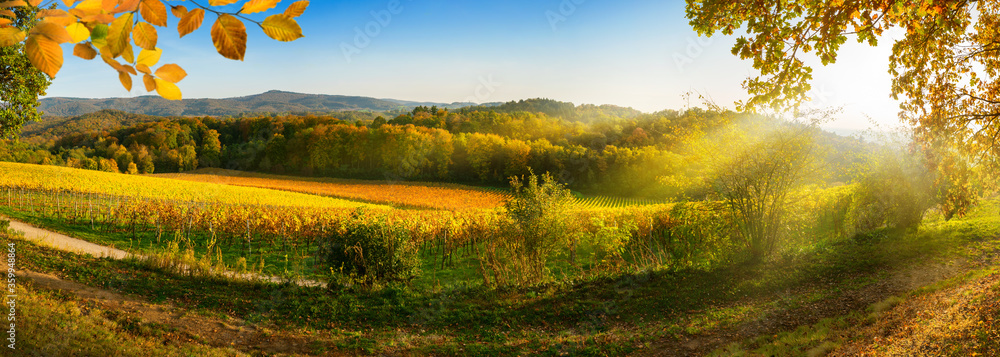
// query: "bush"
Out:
[369,251]
[536,225]
[894,192]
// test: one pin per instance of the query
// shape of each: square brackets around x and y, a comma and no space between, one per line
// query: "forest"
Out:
[606,150]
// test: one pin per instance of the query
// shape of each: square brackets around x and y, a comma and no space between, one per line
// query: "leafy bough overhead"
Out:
[109,28]
[944,67]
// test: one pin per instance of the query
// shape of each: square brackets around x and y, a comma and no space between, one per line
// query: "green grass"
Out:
[604,315]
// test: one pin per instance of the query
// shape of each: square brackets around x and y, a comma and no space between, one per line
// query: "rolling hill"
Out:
[269,102]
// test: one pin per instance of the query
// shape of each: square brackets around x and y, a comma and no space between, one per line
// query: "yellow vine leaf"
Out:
[230,37]
[10,36]
[51,31]
[118,34]
[281,27]
[221,2]
[167,90]
[190,22]
[179,11]
[171,73]
[297,8]
[149,58]
[144,35]
[255,6]
[126,80]
[150,82]
[85,51]
[44,54]
[78,32]
[154,12]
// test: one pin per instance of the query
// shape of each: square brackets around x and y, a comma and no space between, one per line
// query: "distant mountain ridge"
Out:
[268,102]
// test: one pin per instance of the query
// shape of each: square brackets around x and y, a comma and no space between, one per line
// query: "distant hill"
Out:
[104,119]
[269,102]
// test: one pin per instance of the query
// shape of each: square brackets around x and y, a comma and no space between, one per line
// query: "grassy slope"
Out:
[680,311]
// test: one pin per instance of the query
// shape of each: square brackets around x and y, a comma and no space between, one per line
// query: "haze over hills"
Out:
[268,102]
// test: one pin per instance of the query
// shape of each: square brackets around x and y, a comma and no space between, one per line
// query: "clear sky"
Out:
[636,53]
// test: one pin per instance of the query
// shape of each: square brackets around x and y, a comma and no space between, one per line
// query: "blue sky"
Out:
[636,53]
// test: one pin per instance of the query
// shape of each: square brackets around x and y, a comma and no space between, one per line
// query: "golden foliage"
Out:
[112,26]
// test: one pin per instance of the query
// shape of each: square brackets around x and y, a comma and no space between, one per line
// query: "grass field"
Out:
[824,298]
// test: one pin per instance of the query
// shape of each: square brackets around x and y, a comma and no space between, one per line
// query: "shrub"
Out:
[370,251]
[893,192]
[536,225]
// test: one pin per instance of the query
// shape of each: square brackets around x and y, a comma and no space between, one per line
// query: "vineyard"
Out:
[404,194]
[277,232]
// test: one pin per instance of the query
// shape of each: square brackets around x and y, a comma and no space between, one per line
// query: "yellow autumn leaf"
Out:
[154,12]
[190,22]
[10,36]
[167,90]
[255,6]
[51,31]
[179,11]
[230,37]
[44,54]
[221,2]
[128,55]
[144,35]
[143,68]
[149,58]
[126,80]
[10,4]
[281,27]
[34,2]
[118,34]
[297,8]
[150,82]
[171,73]
[109,5]
[89,6]
[77,32]
[126,6]
[85,51]
[69,3]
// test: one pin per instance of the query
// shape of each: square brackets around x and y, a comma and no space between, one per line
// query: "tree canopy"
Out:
[20,82]
[945,67]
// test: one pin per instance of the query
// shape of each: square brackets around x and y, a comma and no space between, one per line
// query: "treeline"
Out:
[621,156]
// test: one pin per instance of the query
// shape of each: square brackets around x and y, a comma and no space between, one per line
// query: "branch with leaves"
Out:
[109,28]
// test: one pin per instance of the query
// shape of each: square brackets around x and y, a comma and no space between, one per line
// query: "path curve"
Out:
[69,244]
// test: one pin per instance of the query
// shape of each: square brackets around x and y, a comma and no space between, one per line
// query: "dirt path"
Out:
[66,243]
